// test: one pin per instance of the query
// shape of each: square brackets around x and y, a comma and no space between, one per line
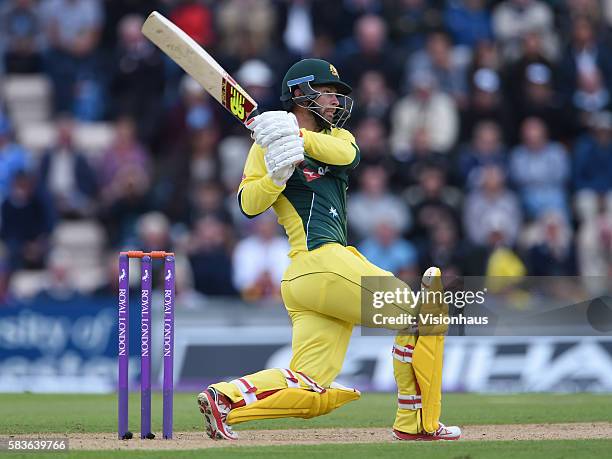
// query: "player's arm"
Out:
[257,191]
[337,149]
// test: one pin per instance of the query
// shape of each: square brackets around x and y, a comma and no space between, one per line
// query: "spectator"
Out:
[512,19]
[350,11]
[410,21]
[554,254]
[432,202]
[323,47]
[72,30]
[13,157]
[374,96]
[592,10]
[407,169]
[243,35]
[260,260]
[486,103]
[593,167]
[516,73]
[540,169]
[584,56]
[492,207]
[257,78]
[298,33]
[193,110]
[446,250]
[503,266]
[233,151]
[67,175]
[485,56]
[124,202]
[138,78]
[116,10]
[485,149]
[591,96]
[371,136]
[26,223]
[210,258]
[153,232]
[21,35]
[373,202]
[425,106]
[126,153]
[196,20]
[368,50]
[540,100]
[446,63]
[468,21]
[125,178]
[59,285]
[179,172]
[208,199]
[386,249]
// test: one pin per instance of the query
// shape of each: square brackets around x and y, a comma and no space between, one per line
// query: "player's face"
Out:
[328,101]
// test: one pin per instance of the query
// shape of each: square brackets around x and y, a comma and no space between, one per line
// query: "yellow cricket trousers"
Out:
[322,292]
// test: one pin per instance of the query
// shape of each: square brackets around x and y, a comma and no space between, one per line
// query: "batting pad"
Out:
[293,403]
[427,365]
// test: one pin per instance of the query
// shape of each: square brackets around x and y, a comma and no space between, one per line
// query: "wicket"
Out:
[146,283]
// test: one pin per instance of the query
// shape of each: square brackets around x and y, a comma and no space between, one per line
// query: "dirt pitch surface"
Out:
[197,440]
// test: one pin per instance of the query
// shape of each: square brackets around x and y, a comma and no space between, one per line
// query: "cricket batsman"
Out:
[299,166]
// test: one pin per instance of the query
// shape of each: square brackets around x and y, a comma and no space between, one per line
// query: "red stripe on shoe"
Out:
[217,415]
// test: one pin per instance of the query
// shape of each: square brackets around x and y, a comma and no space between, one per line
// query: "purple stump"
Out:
[146,277]
[168,386]
[124,340]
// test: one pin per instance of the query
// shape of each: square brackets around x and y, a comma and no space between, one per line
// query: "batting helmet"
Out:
[308,72]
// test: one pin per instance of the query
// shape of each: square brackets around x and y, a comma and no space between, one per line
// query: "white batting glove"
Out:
[273,125]
[281,157]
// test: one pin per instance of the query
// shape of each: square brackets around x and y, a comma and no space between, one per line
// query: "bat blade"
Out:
[200,65]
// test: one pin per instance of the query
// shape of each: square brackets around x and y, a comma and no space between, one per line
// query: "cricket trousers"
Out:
[322,292]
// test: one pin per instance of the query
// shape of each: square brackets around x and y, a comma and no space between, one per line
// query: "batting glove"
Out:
[273,125]
[281,157]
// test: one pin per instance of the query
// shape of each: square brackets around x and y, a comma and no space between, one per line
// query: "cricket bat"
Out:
[190,56]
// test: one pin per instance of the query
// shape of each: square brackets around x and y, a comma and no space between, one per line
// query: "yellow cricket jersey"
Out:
[312,205]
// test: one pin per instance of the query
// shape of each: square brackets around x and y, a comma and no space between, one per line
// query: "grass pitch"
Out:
[38,414]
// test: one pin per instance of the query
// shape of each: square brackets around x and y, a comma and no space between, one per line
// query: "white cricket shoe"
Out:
[215,407]
[443,433]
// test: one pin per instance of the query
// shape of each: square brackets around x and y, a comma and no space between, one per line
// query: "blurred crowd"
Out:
[485,130]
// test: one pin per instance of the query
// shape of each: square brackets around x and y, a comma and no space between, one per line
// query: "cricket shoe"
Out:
[215,407]
[443,433]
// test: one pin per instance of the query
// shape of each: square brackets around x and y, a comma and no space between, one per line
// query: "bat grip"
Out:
[252,115]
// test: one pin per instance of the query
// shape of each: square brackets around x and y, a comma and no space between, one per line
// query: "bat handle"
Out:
[252,115]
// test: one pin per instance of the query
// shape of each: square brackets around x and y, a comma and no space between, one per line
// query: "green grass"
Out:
[570,449]
[43,413]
